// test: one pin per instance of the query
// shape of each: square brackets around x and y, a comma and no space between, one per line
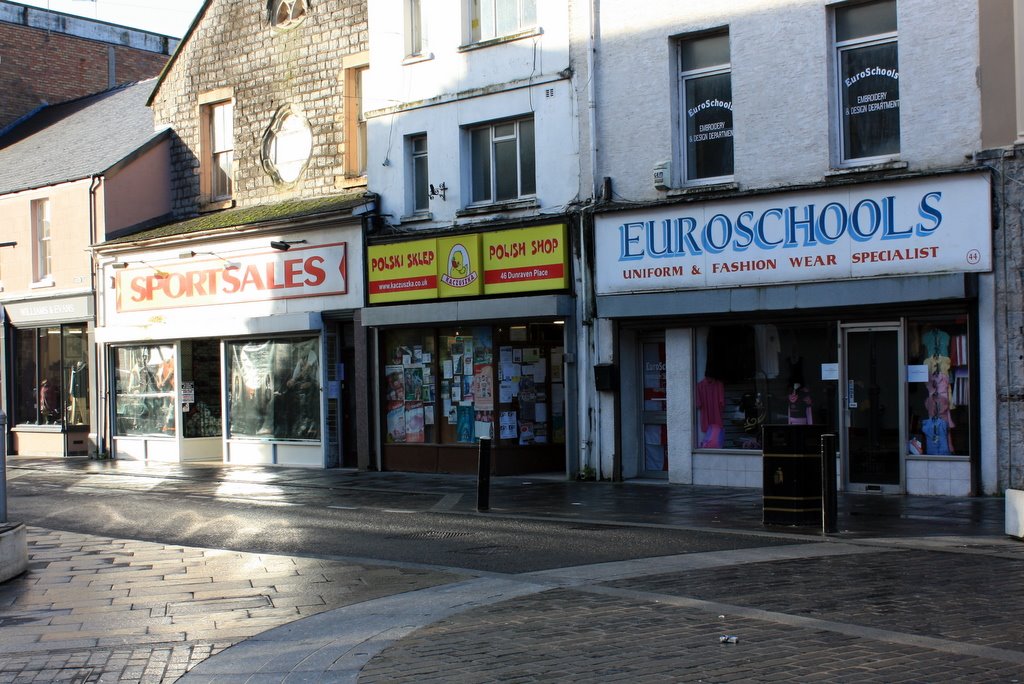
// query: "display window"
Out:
[200,389]
[274,388]
[455,385]
[750,375]
[938,386]
[144,391]
[51,376]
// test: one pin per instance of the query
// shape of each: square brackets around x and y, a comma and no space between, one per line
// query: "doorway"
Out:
[872,433]
[654,425]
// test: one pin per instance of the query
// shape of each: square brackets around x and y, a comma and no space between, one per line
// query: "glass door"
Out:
[873,432]
[654,437]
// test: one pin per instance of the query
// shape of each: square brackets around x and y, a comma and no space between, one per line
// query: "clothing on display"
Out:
[801,406]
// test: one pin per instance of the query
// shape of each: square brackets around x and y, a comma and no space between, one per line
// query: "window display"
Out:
[938,386]
[502,383]
[144,392]
[750,375]
[200,388]
[51,376]
[274,388]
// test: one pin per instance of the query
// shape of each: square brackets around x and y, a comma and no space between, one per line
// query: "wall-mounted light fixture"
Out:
[285,245]
[440,191]
[120,265]
[228,264]
[9,244]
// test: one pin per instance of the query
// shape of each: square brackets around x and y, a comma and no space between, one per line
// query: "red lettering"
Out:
[292,271]
[232,283]
[252,277]
[143,293]
[316,274]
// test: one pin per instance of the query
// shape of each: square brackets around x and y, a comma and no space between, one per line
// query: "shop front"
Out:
[235,351]
[472,333]
[49,345]
[864,308]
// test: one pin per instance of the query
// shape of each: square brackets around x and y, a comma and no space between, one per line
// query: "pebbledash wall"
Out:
[784,137]
[50,57]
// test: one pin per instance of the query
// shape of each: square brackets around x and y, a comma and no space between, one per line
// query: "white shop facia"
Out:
[235,350]
[864,307]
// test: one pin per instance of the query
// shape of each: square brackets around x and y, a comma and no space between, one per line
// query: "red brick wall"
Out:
[38,66]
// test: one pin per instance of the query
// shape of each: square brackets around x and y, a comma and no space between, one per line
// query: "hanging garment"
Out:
[938,401]
[710,402]
[936,435]
[935,342]
[961,387]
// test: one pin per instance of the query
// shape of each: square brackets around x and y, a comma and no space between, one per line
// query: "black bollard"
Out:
[829,507]
[483,476]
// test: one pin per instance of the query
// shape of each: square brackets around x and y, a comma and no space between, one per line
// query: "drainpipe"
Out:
[98,407]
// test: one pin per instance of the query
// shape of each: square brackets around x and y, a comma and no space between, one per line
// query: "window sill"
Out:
[513,205]
[216,206]
[349,182]
[417,217]
[40,284]
[416,59]
[501,40]
[703,189]
[867,168]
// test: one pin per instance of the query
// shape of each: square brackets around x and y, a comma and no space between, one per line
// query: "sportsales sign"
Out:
[933,225]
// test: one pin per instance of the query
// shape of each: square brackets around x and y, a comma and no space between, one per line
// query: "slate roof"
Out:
[75,139]
[286,210]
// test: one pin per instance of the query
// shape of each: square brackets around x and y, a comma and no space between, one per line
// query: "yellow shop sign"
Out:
[460,272]
[402,271]
[525,260]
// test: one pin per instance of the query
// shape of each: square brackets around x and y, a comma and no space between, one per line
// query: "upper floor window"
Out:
[41,238]
[867,82]
[495,18]
[218,141]
[705,85]
[355,119]
[287,13]
[413,28]
[503,161]
[420,186]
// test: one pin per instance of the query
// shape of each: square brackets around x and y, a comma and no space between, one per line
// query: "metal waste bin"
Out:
[792,474]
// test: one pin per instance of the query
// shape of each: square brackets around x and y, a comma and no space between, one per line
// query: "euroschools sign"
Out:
[933,225]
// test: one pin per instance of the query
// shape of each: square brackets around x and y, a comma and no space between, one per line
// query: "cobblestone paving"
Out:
[961,597]
[565,635]
[93,609]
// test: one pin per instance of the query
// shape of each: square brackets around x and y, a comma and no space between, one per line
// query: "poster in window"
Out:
[508,426]
[414,422]
[484,426]
[557,399]
[395,376]
[483,387]
[413,384]
[556,364]
[428,414]
[525,433]
[396,421]
[465,428]
[482,350]
[467,389]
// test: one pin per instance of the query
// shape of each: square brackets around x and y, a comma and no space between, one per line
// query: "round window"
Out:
[287,146]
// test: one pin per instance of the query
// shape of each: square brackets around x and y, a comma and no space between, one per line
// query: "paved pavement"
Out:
[910,590]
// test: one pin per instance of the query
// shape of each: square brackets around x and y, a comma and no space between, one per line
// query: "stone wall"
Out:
[1007,166]
[234,46]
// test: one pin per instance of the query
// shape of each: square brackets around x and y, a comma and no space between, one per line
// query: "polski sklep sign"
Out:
[933,225]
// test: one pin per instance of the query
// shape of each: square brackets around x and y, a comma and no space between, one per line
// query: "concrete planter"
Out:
[13,551]
[1015,513]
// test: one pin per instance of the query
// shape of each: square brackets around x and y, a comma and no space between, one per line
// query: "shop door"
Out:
[654,437]
[872,431]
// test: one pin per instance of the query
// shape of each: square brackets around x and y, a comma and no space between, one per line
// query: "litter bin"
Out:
[792,474]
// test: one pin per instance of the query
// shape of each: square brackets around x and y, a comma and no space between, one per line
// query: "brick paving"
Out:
[892,616]
[94,609]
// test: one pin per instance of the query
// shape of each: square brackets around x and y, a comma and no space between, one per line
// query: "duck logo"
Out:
[460,268]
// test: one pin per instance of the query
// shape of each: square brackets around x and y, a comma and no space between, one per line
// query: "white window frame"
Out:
[414,34]
[686,75]
[838,48]
[42,240]
[418,181]
[483,17]
[492,191]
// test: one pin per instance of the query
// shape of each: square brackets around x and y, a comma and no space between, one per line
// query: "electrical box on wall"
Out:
[663,175]
[606,377]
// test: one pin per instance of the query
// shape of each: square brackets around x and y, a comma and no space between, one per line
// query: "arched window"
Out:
[287,13]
